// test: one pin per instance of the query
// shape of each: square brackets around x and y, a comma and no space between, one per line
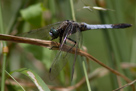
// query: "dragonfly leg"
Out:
[73,41]
[60,39]
[72,46]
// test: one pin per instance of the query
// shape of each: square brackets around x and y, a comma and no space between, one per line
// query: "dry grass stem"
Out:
[51,44]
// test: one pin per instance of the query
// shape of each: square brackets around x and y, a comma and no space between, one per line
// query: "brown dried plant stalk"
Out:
[51,44]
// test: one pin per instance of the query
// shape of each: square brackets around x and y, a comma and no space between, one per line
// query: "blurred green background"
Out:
[115,48]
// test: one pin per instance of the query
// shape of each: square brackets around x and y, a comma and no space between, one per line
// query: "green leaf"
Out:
[33,14]
[35,78]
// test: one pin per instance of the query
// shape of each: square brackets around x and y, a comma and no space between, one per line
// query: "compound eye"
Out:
[53,33]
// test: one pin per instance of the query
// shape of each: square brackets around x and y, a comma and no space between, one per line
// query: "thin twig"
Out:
[50,44]
[131,83]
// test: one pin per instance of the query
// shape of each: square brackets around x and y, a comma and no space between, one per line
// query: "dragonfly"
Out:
[69,33]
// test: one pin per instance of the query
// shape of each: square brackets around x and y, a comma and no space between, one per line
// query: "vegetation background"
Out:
[115,48]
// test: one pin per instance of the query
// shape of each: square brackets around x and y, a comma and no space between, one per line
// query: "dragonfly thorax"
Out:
[53,33]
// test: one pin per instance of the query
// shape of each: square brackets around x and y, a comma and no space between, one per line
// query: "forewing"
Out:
[60,59]
[41,33]
[78,38]
[63,57]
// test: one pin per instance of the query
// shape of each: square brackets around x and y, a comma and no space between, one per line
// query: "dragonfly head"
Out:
[53,33]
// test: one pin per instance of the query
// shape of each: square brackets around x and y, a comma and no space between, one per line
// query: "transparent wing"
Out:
[60,60]
[78,38]
[42,33]
[63,57]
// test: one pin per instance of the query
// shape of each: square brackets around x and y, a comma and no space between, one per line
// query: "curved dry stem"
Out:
[133,82]
[51,44]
